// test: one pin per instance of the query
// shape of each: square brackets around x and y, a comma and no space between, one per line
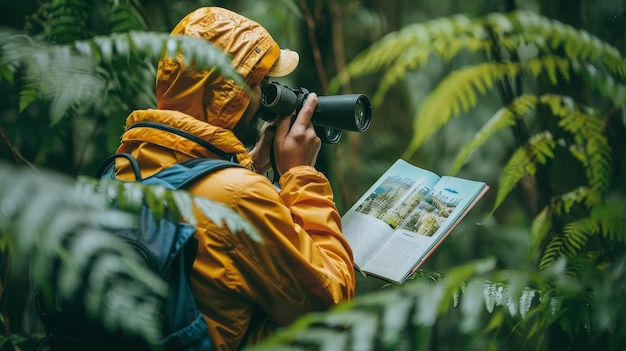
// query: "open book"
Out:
[395,226]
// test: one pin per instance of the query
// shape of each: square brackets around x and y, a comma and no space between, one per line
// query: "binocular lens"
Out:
[361,119]
[328,135]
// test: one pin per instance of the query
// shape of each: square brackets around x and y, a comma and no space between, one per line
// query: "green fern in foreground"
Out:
[486,298]
[63,227]
[68,75]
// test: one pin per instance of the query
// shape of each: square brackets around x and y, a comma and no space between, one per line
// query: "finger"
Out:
[306,112]
[282,126]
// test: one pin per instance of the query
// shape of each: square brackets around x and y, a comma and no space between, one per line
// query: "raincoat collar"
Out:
[221,138]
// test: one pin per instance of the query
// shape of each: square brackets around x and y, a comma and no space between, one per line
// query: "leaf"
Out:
[472,305]
[523,163]
[502,118]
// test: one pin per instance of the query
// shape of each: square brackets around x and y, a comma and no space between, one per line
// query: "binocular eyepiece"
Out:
[333,114]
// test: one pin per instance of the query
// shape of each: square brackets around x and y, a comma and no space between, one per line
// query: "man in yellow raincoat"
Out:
[244,288]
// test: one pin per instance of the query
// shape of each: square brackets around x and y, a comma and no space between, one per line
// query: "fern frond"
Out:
[559,205]
[379,320]
[390,319]
[550,35]
[540,228]
[130,196]
[588,131]
[67,20]
[47,219]
[51,72]
[514,299]
[28,95]
[566,244]
[524,163]
[553,251]
[153,46]
[611,220]
[66,74]
[504,117]
[6,73]
[607,220]
[604,83]
[410,48]
[124,17]
[456,93]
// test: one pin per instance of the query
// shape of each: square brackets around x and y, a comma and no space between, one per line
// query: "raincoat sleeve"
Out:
[303,263]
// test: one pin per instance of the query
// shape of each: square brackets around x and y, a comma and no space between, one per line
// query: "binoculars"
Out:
[333,114]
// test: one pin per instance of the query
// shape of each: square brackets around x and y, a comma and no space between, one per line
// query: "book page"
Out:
[424,228]
[373,218]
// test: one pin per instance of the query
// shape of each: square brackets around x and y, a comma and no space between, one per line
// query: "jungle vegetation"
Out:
[527,96]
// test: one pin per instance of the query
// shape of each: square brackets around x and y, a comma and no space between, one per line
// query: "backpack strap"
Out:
[108,166]
[182,174]
[182,133]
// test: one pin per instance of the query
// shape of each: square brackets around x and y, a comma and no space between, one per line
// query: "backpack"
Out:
[169,249]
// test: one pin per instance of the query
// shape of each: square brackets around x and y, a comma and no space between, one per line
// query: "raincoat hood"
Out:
[206,95]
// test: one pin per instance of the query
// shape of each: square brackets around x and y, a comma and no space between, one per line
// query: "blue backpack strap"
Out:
[182,174]
[182,133]
[107,168]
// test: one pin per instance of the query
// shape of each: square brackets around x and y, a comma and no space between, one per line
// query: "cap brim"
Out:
[286,63]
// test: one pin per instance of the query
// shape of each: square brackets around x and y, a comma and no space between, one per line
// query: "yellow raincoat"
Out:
[244,288]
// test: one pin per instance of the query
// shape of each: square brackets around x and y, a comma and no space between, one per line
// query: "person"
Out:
[246,288]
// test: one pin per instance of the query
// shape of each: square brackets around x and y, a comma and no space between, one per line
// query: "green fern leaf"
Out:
[124,17]
[28,95]
[611,220]
[156,199]
[502,118]
[446,101]
[52,224]
[6,73]
[129,197]
[550,35]
[587,128]
[410,47]
[569,242]
[553,250]
[540,228]
[67,20]
[523,163]
[66,75]
[456,93]
[575,235]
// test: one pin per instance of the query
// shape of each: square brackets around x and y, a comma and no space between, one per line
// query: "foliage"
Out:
[576,236]
[62,228]
[67,74]
[560,52]
[87,81]
[573,283]
[399,318]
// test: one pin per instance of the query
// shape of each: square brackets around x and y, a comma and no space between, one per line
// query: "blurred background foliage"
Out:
[65,112]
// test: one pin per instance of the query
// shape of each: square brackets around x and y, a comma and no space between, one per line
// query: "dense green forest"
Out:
[524,95]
